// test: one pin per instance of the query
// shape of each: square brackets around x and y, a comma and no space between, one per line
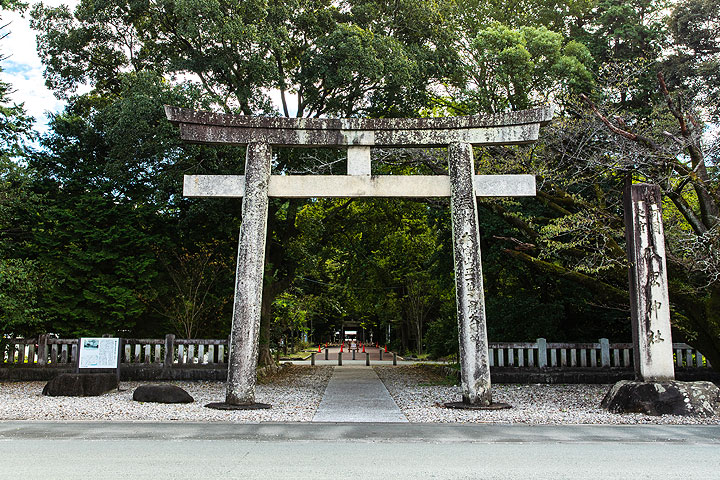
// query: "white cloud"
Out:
[23,69]
[290,98]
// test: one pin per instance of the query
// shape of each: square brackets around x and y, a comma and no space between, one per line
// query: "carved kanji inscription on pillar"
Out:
[649,300]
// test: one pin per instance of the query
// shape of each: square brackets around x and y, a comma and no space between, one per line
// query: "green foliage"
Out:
[20,283]
[625,39]
[101,261]
[335,61]
[441,337]
[111,217]
[95,236]
[694,64]
[514,69]
[20,277]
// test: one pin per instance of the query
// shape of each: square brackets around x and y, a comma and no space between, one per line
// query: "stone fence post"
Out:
[604,352]
[169,350]
[42,350]
[542,352]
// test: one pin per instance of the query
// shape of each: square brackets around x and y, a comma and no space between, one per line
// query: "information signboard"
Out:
[99,353]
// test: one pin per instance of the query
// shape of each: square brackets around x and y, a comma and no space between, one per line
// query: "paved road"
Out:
[356,394]
[319,451]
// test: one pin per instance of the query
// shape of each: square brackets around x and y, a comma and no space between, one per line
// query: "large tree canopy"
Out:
[107,244]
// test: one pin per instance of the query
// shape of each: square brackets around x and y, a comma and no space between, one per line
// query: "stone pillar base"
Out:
[471,406]
[695,399]
[230,406]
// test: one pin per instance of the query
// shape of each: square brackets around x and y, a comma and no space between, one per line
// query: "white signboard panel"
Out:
[99,352]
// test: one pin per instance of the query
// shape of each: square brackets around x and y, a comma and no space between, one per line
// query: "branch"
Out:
[519,245]
[686,210]
[511,219]
[671,105]
[709,210]
[549,201]
[601,290]
[648,142]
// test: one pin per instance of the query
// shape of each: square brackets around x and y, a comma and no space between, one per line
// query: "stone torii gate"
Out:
[261,134]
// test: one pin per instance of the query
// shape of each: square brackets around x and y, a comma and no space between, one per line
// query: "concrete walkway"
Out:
[356,394]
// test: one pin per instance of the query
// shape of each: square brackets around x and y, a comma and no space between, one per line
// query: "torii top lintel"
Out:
[218,128]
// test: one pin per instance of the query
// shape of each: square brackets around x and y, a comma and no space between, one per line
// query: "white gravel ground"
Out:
[531,404]
[294,395]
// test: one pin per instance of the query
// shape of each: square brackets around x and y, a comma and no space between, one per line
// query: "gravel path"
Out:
[294,394]
[532,404]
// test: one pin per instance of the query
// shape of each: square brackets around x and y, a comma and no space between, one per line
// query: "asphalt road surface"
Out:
[96,450]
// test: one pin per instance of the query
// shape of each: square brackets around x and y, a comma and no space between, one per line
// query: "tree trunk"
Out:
[274,252]
[403,337]
[264,355]
[419,337]
[704,319]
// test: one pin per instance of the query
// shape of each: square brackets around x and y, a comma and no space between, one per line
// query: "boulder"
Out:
[161,394]
[697,399]
[80,384]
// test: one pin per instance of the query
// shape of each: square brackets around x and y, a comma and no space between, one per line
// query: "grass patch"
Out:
[434,376]
[447,381]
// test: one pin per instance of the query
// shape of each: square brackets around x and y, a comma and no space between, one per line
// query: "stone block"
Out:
[696,399]
[80,384]
[161,394]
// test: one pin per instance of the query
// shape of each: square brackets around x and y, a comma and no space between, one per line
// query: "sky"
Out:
[24,72]
[22,67]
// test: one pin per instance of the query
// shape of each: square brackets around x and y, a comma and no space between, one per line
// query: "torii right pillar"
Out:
[649,300]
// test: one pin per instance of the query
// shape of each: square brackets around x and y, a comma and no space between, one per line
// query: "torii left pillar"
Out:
[242,359]
[472,328]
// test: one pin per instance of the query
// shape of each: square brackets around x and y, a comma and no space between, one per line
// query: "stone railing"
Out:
[170,352]
[542,354]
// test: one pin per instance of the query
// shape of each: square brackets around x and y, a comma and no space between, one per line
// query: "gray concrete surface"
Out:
[103,450]
[354,185]
[356,394]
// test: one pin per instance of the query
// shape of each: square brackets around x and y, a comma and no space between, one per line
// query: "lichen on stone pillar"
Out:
[244,336]
[472,329]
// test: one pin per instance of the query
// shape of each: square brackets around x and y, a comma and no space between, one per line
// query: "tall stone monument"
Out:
[462,185]
[654,391]
[647,274]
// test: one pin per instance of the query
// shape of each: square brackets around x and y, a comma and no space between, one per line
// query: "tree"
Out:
[679,163]
[111,172]
[192,303]
[362,60]
[20,277]
[512,69]
[695,61]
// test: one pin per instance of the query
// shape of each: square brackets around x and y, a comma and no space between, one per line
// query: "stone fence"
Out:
[141,358]
[197,359]
[582,355]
